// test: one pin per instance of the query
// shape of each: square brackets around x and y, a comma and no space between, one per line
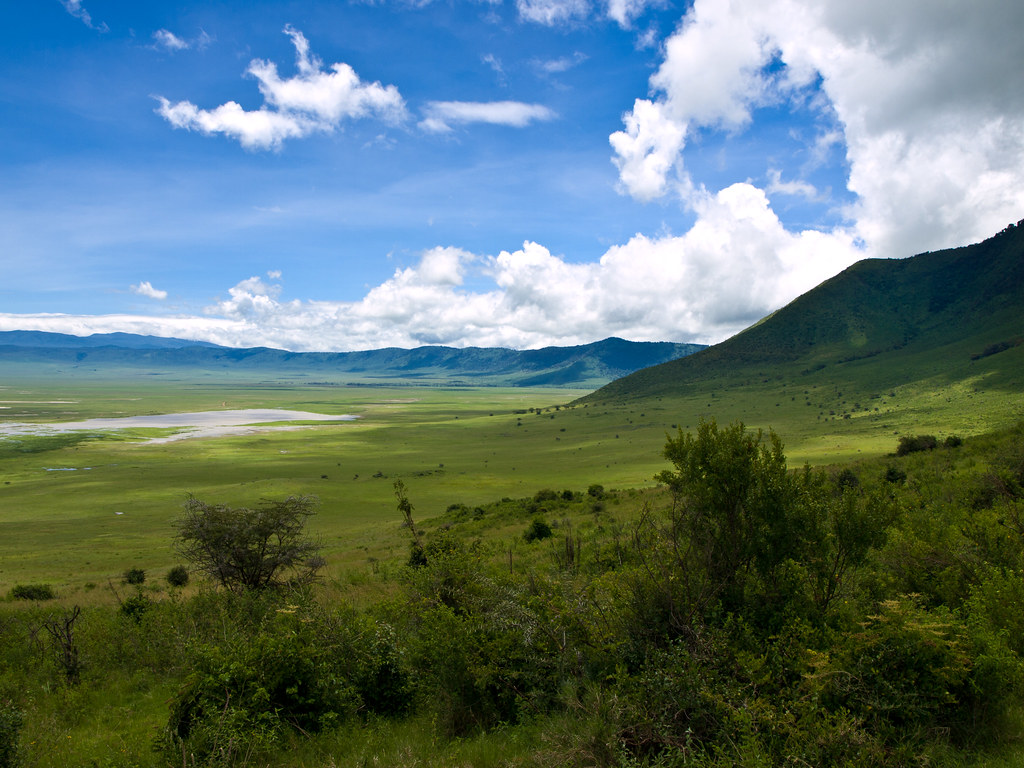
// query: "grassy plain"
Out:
[77,509]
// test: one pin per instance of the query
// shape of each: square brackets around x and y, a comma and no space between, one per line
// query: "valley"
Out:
[541,575]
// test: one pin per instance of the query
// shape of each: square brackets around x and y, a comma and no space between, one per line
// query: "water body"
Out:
[198,424]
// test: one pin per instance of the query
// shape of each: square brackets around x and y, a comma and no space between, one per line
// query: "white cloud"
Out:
[313,100]
[647,150]
[145,288]
[170,41]
[563,64]
[552,12]
[794,188]
[735,266]
[76,9]
[933,127]
[440,116]
[623,12]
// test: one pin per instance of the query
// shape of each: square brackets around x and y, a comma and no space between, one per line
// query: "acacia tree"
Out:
[244,548]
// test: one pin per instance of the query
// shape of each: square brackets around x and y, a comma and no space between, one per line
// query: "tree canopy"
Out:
[243,548]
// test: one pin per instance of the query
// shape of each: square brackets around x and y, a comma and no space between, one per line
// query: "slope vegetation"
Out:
[942,317]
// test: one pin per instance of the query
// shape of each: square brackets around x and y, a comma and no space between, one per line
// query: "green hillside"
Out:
[934,319]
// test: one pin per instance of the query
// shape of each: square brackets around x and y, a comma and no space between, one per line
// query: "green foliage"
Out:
[177,576]
[135,576]
[734,510]
[242,548]
[135,607]
[641,647]
[909,670]
[538,530]
[916,443]
[895,475]
[32,592]
[243,697]
[11,720]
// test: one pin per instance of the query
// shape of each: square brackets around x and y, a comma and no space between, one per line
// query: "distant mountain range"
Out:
[589,365]
[948,316]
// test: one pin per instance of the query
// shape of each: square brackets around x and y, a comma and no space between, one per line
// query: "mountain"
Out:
[46,340]
[937,318]
[589,365]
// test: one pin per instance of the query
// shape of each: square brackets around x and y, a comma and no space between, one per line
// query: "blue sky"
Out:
[351,175]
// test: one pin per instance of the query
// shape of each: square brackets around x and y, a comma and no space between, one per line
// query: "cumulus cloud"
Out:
[440,116]
[76,9]
[932,126]
[145,288]
[313,100]
[650,288]
[647,150]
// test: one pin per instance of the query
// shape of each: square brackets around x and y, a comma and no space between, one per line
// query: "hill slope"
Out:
[936,318]
[580,366]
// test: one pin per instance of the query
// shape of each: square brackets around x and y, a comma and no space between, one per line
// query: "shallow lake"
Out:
[198,424]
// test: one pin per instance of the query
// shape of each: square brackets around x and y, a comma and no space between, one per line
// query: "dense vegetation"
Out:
[740,613]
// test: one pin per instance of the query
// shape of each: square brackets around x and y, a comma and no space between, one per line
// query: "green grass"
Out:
[77,509]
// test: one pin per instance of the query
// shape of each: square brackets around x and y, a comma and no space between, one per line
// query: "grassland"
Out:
[79,508]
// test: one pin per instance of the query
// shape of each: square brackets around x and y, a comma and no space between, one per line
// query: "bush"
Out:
[33,592]
[537,531]
[596,491]
[910,670]
[134,607]
[243,698]
[177,576]
[895,475]
[135,576]
[916,444]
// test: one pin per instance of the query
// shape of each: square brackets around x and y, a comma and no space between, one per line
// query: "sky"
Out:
[359,174]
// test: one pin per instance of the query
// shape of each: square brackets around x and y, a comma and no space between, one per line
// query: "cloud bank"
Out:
[668,288]
[919,94]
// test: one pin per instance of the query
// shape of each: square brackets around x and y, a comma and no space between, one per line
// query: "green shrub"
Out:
[135,606]
[907,671]
[915,444]
[135,576]
[245,696]
[895,475]
[33,592]
[177,576]
[537,531]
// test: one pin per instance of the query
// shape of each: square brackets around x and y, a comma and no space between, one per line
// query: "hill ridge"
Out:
[954,303]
